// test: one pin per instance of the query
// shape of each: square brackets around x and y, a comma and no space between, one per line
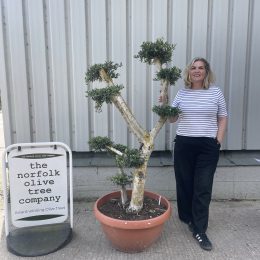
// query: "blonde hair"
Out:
[209,79]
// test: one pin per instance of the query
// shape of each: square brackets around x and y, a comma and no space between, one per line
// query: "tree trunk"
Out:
[137,198]
[123,195]
[139,177]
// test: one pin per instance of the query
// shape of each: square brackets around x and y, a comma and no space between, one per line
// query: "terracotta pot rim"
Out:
[133,224]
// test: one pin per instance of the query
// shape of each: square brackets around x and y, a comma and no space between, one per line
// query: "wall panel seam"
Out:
[228,54]
[129,74]
[28,70]
[247,72]
[149,35]
[170,40]
[209,29]
[89,63]
[109,58]
[189,31]
[68,35]
[48,66]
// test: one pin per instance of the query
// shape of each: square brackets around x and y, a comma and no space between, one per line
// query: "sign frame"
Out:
[35,145]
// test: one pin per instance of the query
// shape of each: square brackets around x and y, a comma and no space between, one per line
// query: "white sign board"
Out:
[38,186]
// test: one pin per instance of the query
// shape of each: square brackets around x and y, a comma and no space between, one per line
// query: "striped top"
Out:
[199,111]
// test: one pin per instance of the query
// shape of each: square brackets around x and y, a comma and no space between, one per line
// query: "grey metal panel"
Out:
[46,47]
[4,89]
[252,117]
[77,68]
[99,55]
[158,30]
[237,73]
[138,102]
[219,43]
[199,24]
[118,53]
[37,67]
[178,20]
[17,74]
[58,71]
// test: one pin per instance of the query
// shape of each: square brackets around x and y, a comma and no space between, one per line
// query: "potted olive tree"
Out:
[156,53]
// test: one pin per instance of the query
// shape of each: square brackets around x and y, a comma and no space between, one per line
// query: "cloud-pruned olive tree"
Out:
[157,53]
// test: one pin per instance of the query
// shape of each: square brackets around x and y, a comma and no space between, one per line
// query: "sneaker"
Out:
[191,227]
[203,241]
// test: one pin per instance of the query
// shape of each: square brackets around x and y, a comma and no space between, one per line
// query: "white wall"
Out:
[46,47]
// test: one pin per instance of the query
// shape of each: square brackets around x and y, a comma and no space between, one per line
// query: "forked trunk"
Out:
[137,198]
[139,178]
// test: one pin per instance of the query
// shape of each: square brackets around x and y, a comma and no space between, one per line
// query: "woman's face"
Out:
[197,72]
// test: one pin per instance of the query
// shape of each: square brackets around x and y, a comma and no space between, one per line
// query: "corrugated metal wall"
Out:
[47,45]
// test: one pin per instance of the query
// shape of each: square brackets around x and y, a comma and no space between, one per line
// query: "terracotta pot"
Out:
[132,236]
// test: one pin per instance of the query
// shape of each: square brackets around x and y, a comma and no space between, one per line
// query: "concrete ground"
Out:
[234,229]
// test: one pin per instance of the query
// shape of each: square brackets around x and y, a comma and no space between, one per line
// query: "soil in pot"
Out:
[152,208]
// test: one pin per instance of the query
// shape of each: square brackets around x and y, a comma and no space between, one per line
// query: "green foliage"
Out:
[122,179]
[166,111]
[134,158]
[99,143]
[101,95]
[109,67]
[169,74]
[160,50]
[129,157]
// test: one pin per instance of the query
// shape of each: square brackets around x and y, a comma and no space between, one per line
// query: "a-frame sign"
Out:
[38,197]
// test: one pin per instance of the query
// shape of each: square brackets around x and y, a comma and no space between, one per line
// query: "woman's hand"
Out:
[163,99]
[222,125]
[173,119]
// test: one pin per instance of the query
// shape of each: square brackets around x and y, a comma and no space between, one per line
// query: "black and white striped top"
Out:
[199,111]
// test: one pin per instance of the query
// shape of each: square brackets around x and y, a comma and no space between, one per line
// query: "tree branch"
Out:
[164,94]
[114,150]
[121,105]
[131,121]
[157,127]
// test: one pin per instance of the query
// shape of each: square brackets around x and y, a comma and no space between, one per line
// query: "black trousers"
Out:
[195,162]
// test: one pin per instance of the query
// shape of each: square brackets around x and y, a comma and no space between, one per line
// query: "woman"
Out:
[201,129]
